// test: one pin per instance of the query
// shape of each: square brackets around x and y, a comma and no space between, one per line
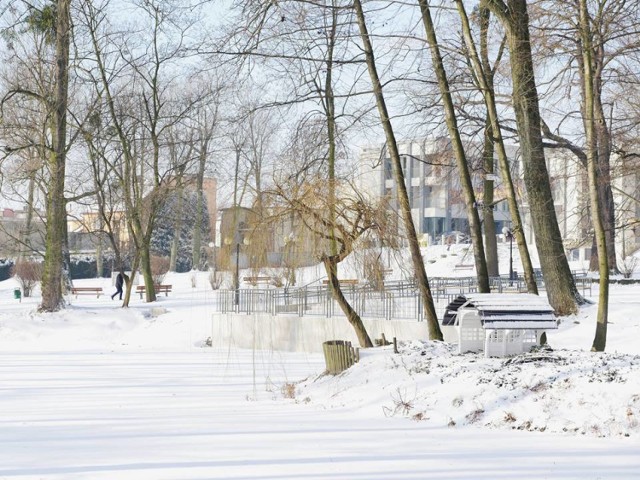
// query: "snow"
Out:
[100,392]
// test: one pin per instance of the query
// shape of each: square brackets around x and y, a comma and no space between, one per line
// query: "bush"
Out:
[28,274]
[628,266]
[214,280]
[6,269]
[83,267]
[159,268]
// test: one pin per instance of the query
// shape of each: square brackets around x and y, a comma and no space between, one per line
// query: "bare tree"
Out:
[614,27]
[206,121]
[335,231]
[142,110]
[435,332]
[600,338]
[483,74]
[23,126]
[316,39]
[561,290]
[458,149]
[52,23]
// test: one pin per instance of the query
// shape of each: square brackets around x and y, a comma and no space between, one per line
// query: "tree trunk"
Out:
[484,74]
[52,278]
[25,234]
[435,333]
[458,149]
[129,282]
[600,339]
[99,249]
[561,290]
[197,227]
[603,157]
[331,267]
[490,242]
[145,267]
[177,228]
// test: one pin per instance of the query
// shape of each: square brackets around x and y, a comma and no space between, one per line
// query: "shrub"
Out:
[28,273]
[6,269]
[628,266]
[159,268]
[214,280]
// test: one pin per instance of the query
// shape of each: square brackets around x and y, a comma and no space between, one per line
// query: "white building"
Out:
[432,183]
[434,190]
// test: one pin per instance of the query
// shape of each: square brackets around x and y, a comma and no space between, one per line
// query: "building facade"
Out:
[437,205]
[433,187]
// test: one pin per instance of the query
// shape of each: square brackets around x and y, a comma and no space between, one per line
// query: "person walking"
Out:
[119,284]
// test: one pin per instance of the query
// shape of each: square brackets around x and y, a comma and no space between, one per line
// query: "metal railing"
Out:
[398,300]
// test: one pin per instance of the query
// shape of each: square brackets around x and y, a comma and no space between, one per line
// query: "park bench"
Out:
[140,289]
[257,280]
[97,291]
[347,281]
[464,266]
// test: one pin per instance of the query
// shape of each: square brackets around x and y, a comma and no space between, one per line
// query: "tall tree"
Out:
[52,278]
[311,62]
[458,149]
[206,122]
[483,74]
[561,289]
[143,101]
[614,25]
[588,64]
[435,333]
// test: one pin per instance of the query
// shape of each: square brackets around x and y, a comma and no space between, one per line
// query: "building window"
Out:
[388,170]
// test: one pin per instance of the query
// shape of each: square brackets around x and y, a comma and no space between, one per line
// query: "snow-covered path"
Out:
[210,414]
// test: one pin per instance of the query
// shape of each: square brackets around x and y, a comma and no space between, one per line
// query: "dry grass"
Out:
[289,390]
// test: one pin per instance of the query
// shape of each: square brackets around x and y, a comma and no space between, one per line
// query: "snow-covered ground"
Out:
[100,392]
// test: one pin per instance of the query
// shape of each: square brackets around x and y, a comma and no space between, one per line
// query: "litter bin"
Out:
[17,294]
[339,355]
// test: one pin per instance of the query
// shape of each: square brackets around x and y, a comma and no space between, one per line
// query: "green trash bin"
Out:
[17,294]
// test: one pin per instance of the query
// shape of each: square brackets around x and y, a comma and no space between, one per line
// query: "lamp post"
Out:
[508,234]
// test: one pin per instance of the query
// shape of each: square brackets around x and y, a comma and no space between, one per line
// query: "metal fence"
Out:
[320,303]
[399,300]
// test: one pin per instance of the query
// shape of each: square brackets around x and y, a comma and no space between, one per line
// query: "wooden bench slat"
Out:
[158,288]
[97,291]
[257,279]
[348,281]
[462,266]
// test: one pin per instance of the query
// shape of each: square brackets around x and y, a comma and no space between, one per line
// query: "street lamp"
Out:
[508,234]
